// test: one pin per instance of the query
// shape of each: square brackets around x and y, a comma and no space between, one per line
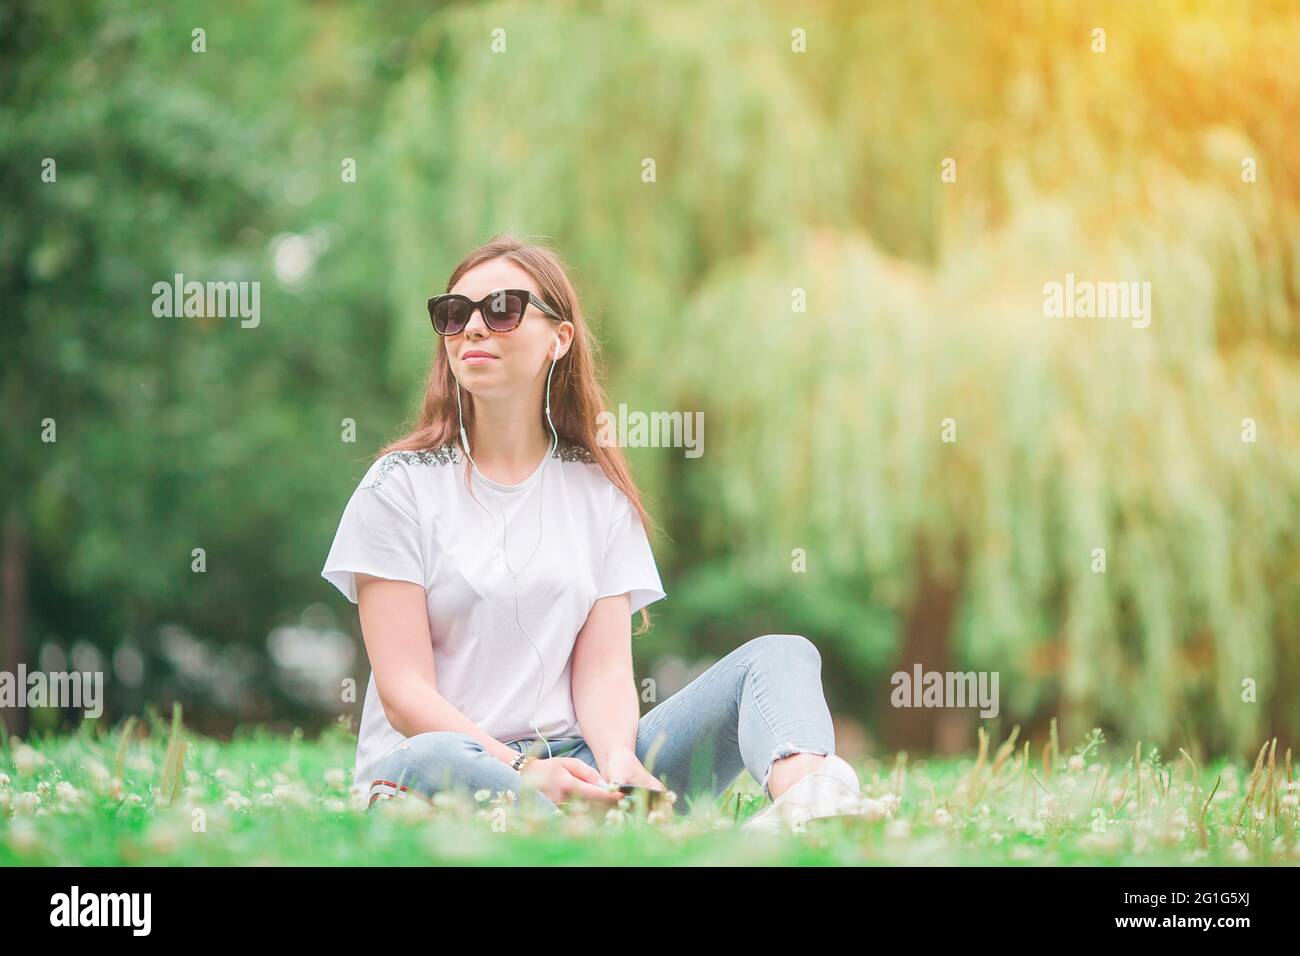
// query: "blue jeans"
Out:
[761,702]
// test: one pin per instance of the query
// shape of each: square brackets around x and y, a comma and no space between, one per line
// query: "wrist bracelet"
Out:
[519,762]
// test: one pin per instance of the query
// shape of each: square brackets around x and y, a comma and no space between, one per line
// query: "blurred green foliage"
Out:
[775,171]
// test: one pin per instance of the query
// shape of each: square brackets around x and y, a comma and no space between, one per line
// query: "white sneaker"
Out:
[832,791]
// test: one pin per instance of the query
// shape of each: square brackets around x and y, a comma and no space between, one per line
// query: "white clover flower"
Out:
[891,802]
[4,779]
[942,817]
[27,759]
[67,792]
[1075,764]
[872,810]
[1239,851]
[1290,800]
[334,805]
[898,829]
[1029,826]
[236,801]
[482,796]
[26,803]
[335,778]
[290,793]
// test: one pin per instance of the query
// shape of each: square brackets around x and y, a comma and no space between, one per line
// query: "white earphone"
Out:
[505,527]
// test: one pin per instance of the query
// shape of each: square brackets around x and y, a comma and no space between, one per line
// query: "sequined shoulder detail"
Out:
[444,455]
[571,451]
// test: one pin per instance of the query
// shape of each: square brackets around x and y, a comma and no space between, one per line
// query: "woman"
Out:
[496,598]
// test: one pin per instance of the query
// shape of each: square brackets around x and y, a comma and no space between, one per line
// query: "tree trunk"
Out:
[13,609]
[926,641]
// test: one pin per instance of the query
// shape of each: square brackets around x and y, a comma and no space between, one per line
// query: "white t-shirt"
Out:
[412,519]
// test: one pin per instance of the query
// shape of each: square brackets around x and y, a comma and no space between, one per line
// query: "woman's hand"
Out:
[624,767]
[566,778]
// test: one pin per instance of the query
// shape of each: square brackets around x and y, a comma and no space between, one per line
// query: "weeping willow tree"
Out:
[840,256]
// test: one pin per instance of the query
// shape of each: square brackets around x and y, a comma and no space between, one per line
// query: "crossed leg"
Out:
[759,705]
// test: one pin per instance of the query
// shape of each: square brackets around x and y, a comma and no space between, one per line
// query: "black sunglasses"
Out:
[502,310]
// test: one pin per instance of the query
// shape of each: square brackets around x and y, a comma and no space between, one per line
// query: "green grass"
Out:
[94,799]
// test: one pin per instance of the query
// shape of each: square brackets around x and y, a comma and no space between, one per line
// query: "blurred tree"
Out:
[180,433]
[780,179]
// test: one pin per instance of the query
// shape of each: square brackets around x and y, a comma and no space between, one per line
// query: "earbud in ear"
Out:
[557,348]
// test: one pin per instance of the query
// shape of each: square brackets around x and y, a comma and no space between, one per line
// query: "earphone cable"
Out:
[505,556]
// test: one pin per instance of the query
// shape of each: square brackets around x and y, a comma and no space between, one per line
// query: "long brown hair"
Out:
[577,395]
